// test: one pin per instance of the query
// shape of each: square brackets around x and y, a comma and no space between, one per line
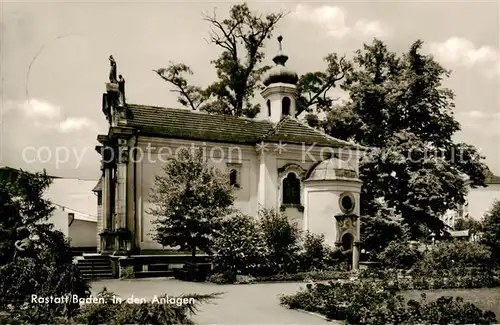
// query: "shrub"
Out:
[314,253]
[222,278]
[113,313]
[322,275]
[453,254]
[239,246]
[282,239]
[367,302]
[399,255]
[127,273]
[25,277]
[338,259]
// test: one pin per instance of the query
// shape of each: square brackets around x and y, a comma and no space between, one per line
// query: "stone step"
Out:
[95,259]
[103,269]
[97,274]
[83,262]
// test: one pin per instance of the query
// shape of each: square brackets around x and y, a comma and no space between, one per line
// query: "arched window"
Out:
[268,107]
[291,189]
[233,178]
[285,106]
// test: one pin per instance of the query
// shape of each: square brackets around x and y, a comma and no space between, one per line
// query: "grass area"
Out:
[485,298]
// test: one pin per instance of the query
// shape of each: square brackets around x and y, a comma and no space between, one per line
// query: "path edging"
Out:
[331,321]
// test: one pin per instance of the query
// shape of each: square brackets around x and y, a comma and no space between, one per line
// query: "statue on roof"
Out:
[121,88]
[112,70]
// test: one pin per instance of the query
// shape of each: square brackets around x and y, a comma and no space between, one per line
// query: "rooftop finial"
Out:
[280,38]
[280,58]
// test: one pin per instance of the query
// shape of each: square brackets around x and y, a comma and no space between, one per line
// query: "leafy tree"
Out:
[313,87]
[381,228]
[191,198]
[399,108]
[420,188]
[241,37]
[45,268]
[392,98]
[491,231]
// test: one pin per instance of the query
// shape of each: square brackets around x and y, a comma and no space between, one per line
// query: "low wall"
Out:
[141,262]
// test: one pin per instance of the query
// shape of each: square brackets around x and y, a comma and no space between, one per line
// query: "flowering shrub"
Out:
[368,302]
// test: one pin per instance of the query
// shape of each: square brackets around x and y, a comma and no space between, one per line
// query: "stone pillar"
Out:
[261,187]
[106,199]
[121,187]
[356,249]
[355,255]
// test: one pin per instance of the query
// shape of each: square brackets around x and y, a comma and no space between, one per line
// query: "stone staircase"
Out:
[95,266]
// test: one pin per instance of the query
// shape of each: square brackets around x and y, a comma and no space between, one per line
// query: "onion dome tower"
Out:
[281,90]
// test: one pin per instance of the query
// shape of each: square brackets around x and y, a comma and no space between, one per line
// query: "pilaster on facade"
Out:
[268,180]
[121,184]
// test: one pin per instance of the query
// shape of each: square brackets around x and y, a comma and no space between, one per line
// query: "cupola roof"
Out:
[332,169]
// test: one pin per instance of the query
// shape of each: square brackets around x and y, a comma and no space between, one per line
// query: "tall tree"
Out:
[314,88]
[399,108]
[241,37]
[34,259]
[191,199]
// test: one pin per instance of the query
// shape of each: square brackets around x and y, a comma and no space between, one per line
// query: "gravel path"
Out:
[256,304]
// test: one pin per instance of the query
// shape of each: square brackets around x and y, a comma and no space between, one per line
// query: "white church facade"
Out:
[274,161]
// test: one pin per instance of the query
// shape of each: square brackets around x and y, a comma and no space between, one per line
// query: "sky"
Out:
[54,63]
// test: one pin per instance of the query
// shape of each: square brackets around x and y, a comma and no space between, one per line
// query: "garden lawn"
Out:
[485,298]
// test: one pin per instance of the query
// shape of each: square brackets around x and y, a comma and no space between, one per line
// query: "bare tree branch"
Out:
[187,93]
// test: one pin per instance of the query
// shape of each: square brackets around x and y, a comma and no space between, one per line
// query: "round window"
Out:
[347,203]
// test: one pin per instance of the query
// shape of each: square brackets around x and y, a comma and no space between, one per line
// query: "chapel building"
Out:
[275,162]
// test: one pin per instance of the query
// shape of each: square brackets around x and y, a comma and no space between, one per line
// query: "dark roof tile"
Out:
[187,124]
